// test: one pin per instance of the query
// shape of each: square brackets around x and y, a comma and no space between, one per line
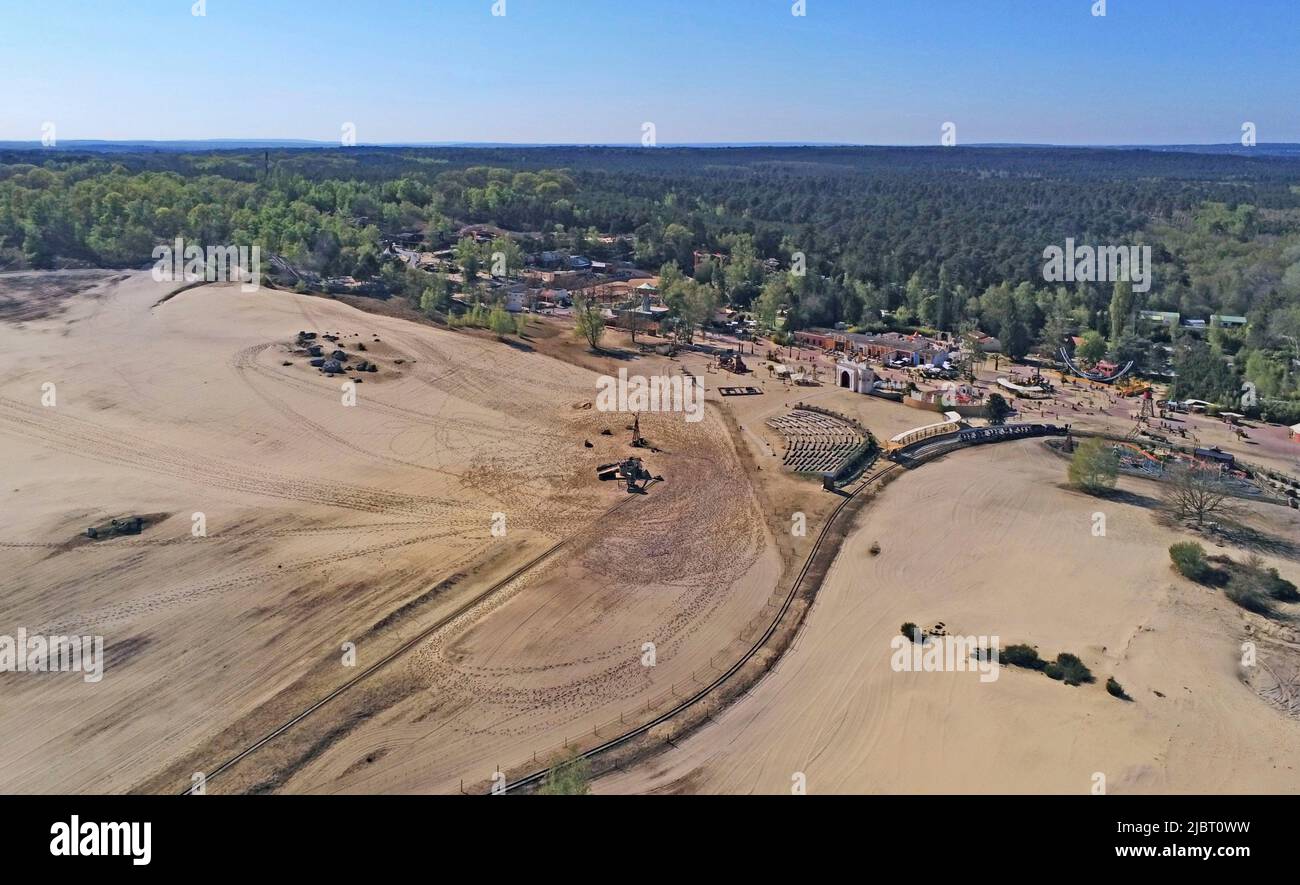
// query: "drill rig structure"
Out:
[630,471]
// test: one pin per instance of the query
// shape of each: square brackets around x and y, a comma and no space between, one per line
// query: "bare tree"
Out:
[1198,491]
[634,322]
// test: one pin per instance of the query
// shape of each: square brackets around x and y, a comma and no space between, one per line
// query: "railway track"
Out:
[623,738]
[397,653]
[762,640]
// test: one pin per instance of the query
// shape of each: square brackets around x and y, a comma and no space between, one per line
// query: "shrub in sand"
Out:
[1280,588]
[1116,690]
[568,777]
[1023,656]
[1246,596]
[913,632]
[1249,588]
[1094,466]
[1264,581]
[1068,669]
[874,549]
[1249,584]
[1189,558]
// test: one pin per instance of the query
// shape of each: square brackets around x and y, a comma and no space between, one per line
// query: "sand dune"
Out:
[372,524]
[986,542]
[329,524]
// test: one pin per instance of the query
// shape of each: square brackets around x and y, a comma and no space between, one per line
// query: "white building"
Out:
[857,377]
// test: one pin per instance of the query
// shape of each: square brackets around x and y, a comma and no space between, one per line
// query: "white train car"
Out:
[950,424]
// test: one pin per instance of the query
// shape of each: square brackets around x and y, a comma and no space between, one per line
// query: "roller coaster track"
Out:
[1095,376]
[398,652]
[731,671]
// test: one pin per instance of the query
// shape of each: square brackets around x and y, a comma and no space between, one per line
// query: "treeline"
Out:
[943,238]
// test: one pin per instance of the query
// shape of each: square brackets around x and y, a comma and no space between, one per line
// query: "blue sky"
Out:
[859,71]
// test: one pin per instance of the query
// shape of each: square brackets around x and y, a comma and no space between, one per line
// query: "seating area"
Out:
[815,443]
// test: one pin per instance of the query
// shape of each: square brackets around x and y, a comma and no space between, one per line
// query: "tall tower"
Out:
[1148,405]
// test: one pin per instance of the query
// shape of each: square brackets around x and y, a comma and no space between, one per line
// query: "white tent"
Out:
[1021,389]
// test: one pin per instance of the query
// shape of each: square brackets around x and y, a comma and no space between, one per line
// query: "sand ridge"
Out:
[329,524]
[985,541]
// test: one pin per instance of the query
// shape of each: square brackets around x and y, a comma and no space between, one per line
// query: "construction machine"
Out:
[631,471]
[732,362]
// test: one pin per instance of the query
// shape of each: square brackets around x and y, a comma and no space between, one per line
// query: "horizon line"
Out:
[305,142]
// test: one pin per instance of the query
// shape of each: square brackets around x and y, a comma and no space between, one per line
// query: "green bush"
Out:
[568,777]
[1094,466]
[1023,656]
[501,322]
[998,409]
[1252,585]
[1069,669]
[1189,558]
[913,632]
[1281,412]
[1116,690]
[1245,591]
[1280,588]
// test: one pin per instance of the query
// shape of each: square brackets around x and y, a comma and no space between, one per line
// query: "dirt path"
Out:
[984,541]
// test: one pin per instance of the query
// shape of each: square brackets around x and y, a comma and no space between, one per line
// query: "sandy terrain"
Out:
[986,542]
[329,524]
[372,524]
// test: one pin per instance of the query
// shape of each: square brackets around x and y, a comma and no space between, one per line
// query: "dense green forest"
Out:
[933,238]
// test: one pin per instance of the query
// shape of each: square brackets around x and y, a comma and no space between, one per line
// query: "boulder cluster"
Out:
[337,361]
